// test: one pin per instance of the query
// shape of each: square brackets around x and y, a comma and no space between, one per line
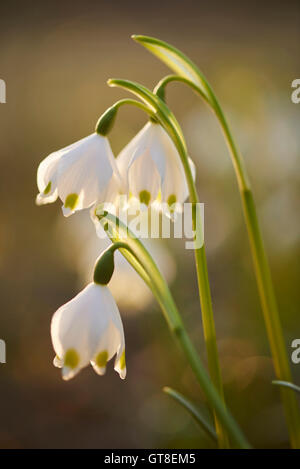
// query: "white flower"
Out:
[88,329]
[151,168]
[82,174]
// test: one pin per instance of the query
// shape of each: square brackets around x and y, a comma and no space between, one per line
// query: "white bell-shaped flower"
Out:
[82,174]
[88,329]
[151,168]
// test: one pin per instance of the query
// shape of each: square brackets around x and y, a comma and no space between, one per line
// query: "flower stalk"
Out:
[134,251]
[169,122]
[190,74]
[203,422]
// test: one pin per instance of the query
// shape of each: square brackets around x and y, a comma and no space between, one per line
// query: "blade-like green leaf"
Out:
[178,62]
[193,410]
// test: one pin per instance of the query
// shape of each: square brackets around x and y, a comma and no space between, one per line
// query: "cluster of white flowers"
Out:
[86,173]
[89,329]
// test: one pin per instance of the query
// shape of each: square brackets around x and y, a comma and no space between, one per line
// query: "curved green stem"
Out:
[159,89]
[133,102]
[287,385]
[169,122]
[193,411]
[133,249]
[185,68]
[107,119]
[263,274]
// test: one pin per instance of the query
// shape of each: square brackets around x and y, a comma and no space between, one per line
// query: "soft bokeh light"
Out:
[78,234]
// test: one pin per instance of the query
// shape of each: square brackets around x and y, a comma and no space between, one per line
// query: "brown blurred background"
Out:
[55,58]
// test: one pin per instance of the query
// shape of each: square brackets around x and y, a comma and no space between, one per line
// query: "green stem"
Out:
[287,385]
[271,317]
[168,121]
[132,102]
[208,322]
[106,120]
[185,68]
[193,410]
[132,248]
[265,284]
[261,266]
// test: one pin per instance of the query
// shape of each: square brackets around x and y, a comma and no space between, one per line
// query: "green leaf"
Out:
[178,62]
[287,384]
[193,411]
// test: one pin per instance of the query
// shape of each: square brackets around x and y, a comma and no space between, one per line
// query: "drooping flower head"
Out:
[82,174]
[151,168]
[88,329]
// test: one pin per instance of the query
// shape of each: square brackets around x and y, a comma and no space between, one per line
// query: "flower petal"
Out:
[144,141]
[143,178]
[86,170]
[78,325]
[87,329]
[47,179]
[120,363]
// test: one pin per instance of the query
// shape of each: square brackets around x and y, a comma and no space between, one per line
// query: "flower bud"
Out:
[106,121]
[104,267]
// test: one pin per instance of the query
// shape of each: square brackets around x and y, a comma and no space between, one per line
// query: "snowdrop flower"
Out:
[82,174]
[88,329]
[151,169]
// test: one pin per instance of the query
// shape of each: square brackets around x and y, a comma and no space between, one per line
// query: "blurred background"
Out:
[55,58]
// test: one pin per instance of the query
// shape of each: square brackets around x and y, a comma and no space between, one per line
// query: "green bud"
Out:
[104,267]
[106,121]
